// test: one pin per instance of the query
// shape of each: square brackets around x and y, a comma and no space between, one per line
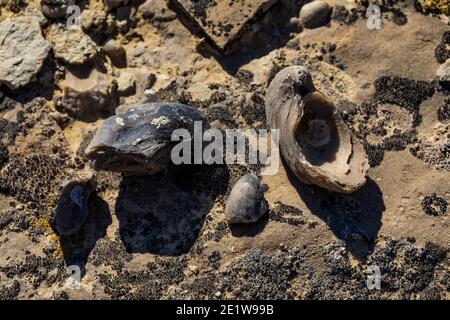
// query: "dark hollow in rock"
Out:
[139,140]
[434,205]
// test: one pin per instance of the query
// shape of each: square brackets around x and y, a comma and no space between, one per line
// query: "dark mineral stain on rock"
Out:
[434,205]
[404,92]
[442,51]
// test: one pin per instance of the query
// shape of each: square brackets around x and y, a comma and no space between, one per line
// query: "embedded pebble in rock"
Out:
[140,140]
[246,203]
[115,52]
[315,14]
[72,46]
[72,208]
[443,72]
[23,51]
[88,94]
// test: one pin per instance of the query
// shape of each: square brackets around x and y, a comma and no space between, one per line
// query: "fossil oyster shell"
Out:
[314,140]
[72,207]
[139,140]
[246,202]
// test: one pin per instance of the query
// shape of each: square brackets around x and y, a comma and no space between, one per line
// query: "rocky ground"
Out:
[165,236]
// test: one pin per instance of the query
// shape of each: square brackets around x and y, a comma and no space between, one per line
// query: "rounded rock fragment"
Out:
[315,14]
[246,203]
[115,52]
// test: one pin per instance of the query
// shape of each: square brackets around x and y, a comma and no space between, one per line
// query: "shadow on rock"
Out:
[251,229]
[164,213]
[353,218]
[76,248]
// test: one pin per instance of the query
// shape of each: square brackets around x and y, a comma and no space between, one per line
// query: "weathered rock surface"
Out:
[246,202]
[72,45]
[139,140]
[88,94]
[315,14]
[23,51]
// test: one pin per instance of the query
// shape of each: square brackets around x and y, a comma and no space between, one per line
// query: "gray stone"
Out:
[23,50]
[246,203]
[115,52]
[72,45]
[315,14]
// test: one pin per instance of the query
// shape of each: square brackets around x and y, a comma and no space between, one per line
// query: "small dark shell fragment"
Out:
[72,208]
[139,140]
[246,203]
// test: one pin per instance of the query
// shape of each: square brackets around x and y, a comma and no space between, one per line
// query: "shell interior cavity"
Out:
[139,140]
[314,140]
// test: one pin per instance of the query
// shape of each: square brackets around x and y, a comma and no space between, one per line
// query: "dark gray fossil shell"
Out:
[139,140]
[314,140]
[72,208]
[246,203]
